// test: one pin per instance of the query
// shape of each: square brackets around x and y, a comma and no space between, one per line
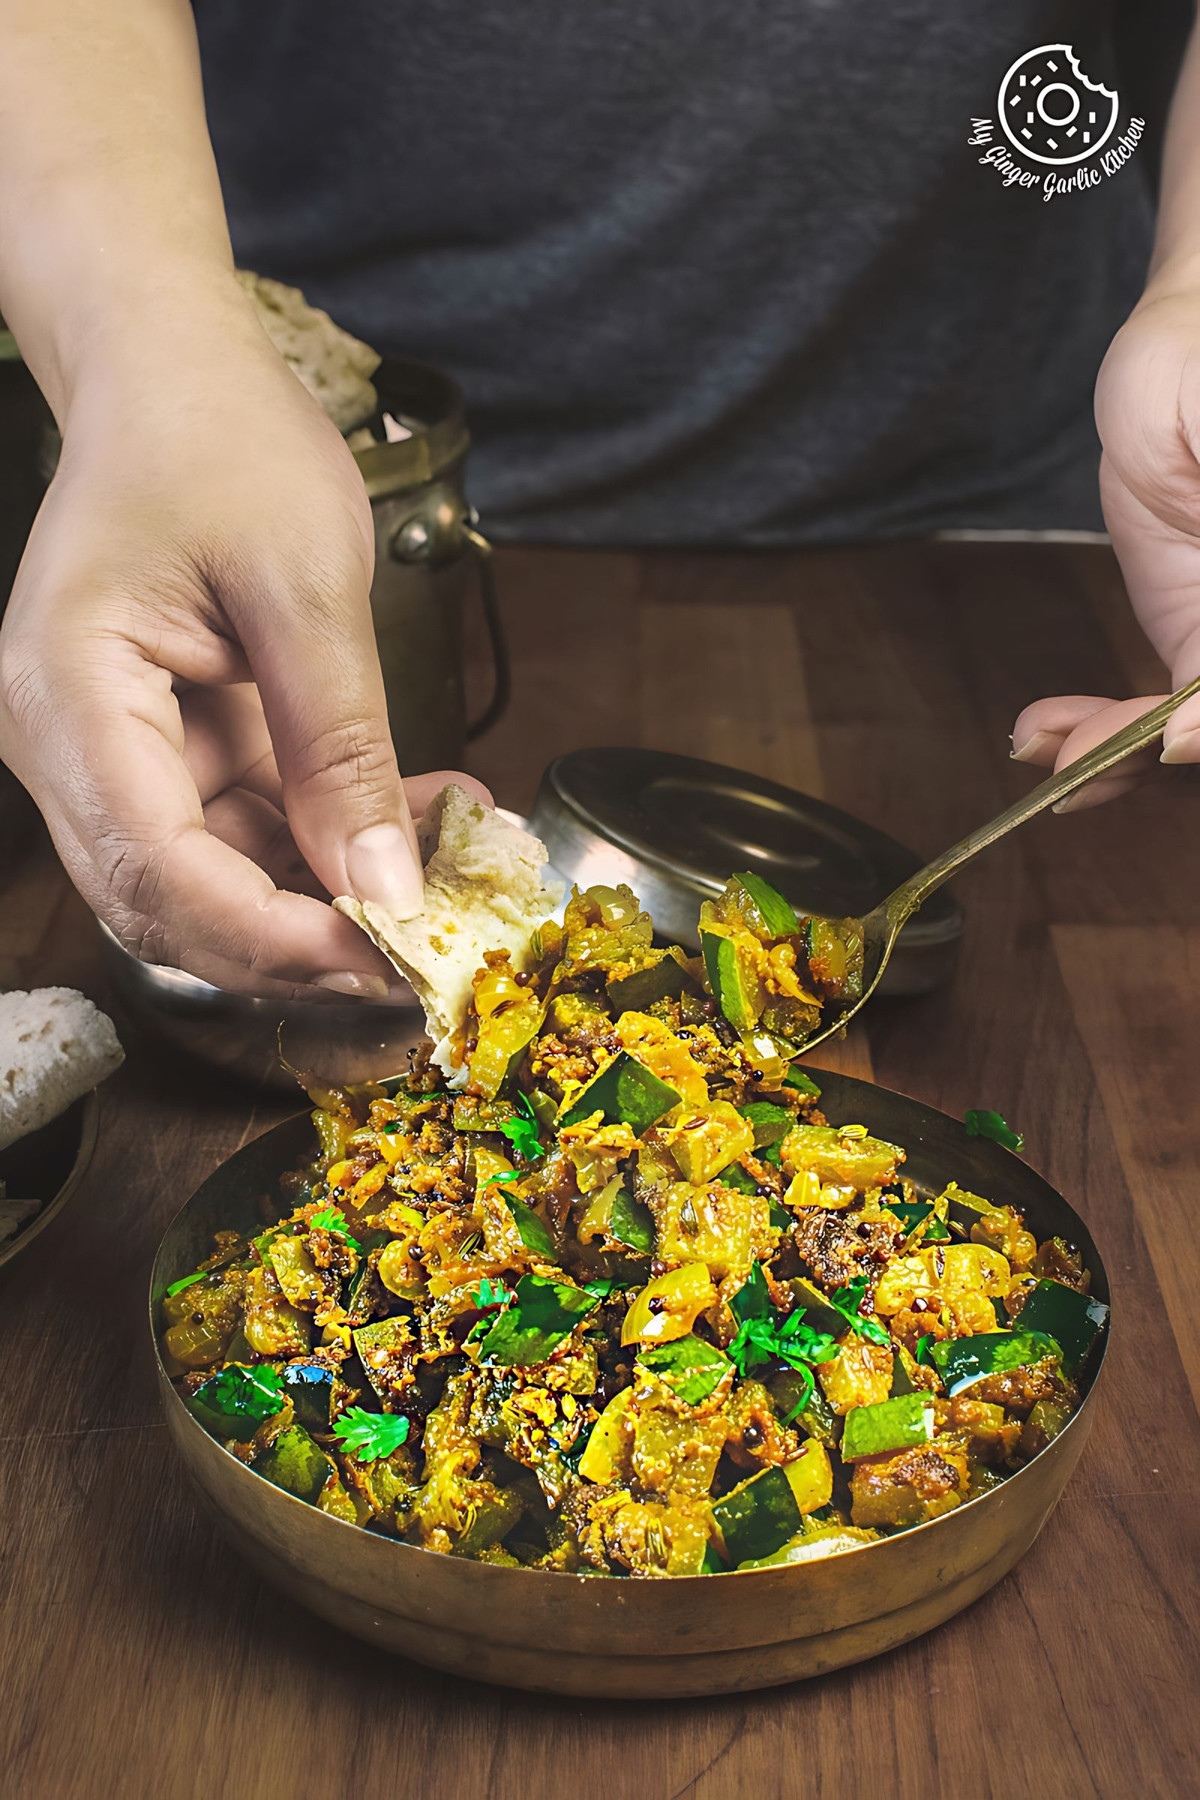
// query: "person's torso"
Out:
[707,273]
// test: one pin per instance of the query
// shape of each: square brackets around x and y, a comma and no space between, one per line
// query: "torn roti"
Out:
[484,890]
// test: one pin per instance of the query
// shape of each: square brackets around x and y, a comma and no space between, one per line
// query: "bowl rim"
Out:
[1083,1416]
[89,1129]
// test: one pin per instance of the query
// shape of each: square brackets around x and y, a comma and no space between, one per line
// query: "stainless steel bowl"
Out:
[356,1040]
[636,1638]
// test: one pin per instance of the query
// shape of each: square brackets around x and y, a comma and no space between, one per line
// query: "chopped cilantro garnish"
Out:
[848,1299]
[753,1298]
[993,1125]
[522,1132]
[177,1287]
[329,1219]
[761,1341]
[372,1434]
[491,1293]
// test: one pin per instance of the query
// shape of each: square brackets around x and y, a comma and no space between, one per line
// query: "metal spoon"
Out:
[881,927]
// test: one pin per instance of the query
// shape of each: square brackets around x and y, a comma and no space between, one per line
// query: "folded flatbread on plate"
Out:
[485,889]
[54,1046]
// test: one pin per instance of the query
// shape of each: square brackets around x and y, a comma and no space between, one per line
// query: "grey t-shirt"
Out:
[708,273]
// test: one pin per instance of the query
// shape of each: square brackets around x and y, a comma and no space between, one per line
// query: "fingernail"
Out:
[363,987]
[1031,746]
[1183,749]
[382,871]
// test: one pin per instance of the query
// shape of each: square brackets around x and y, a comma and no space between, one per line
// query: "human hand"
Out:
[1148,416]
[189,686]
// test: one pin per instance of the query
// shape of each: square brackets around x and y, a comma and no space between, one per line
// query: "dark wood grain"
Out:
[139,1657]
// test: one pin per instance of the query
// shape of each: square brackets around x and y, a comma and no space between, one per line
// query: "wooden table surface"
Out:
[140,1657]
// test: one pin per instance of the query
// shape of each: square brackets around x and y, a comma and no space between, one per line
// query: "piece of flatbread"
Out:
[485,889]
[54,1046]
[334,366]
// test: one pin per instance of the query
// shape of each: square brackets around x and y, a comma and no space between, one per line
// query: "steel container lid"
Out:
[674,828]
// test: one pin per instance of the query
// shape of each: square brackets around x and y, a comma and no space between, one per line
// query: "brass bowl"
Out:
[49,1164]
[636,1638]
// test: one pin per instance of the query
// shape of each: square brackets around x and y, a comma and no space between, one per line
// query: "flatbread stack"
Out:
[485,889]
[335,367]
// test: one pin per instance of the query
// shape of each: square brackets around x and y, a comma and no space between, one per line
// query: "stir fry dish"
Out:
[623,1301]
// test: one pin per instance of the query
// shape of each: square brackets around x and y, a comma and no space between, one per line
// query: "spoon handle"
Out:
[912,893]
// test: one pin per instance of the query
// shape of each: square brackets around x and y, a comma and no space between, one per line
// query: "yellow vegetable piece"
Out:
[714,1225]
[859,1375]
[597,1219]
[606,1454]
[807,1189]
[391,1147]
[369,1184]
[705,1139]
[967,1265]
[810,1476]
[398,1272]
[336,1175]
[902,1280]
[669,1306]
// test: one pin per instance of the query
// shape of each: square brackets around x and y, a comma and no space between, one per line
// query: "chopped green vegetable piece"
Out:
[1073,1320]
[238,1399]
[501,1178]
[185,1281]
[372,1435]
[691,1368]
[912,1213]
[848,1299]
[624,1093]
[780,1216]
[733,1175]
[803,1084]
[770,1123]
[331,1220]
[962,1361]
[992,1125]
[309,1387]
[380,1345]
[534,1234]
[778,917]
[543,1109]
[733,986]
[541,1316]
[294,1463]
[711,1563]
[473,1113]
[895,1424]
[753,1298]
[902,1381]
[923,1344]
[758,1517]
[631,1223]
[662,977]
